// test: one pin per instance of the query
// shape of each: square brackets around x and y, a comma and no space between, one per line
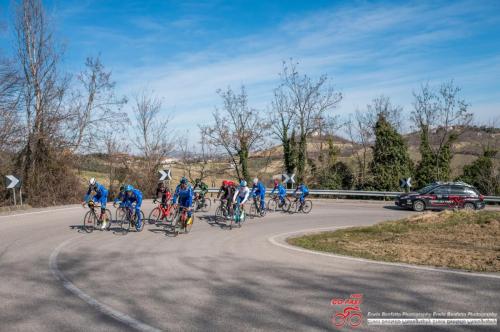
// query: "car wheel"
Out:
[419,206]
[469,207]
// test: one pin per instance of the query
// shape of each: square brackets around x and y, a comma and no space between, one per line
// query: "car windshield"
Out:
[426,189]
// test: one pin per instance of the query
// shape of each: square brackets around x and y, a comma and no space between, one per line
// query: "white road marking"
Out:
[103,308]
[38,212]
[279,240]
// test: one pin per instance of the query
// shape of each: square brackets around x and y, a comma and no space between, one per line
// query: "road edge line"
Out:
[283,244]
[99,306]
[37,212]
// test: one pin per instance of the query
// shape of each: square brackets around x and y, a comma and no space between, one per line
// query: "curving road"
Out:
[53,277]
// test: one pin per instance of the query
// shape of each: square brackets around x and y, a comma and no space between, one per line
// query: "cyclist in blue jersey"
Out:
[184,193]
[100,196]
[281,191]
[133,195]
[304,192]
[258,189]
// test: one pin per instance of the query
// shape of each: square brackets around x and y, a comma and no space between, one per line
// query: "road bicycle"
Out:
[91,221]
[274,204]
[255,210]
[297,206]
[238,216]
[201,203]
[161,212]
[222,212]
[181,221]
[129,219]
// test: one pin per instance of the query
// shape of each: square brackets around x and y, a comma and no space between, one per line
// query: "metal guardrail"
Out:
[359,193]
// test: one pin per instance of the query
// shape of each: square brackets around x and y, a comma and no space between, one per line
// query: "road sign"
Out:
[165,174]
[405,183]
[287,178]
[13,182]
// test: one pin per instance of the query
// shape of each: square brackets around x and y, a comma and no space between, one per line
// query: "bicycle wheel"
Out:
[119,214]
[108,219]
[89,222]
[125,223]
[272,205]
[243,217]
[139,229]
[293,207]
[218,214]
[175,222]
[307,206]
[154,216]
[206,204]
[286,205]
[170,214]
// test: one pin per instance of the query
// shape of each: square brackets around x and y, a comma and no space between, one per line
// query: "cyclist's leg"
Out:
[302,197]
[164,200]
[263,201]
[138,210]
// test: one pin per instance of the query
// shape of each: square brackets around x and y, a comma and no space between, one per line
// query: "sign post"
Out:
[406,184]
[13,183]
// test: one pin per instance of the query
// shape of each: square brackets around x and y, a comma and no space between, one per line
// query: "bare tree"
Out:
[360,131]
[360,127]
[94,105]
[310,101]
[237,130]
[196,162]
[153,138]
[440,116]
[282,119]
[10,128]
[43,90]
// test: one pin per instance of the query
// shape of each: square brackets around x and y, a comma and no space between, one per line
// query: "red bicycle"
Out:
[181,221]
[161,212]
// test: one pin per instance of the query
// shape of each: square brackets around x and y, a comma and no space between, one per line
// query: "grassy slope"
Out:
[461,240]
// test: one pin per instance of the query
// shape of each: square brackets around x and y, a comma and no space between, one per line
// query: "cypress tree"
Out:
[391,160]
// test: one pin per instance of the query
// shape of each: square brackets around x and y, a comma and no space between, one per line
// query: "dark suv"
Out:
[438,196]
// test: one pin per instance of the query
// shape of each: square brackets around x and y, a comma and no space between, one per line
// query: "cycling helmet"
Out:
[243,183]
[122,187]
[129,188]
[255,180]
[225,183]
[184,180]
[92,181]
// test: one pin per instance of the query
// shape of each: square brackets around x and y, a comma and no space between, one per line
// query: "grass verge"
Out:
[459,240]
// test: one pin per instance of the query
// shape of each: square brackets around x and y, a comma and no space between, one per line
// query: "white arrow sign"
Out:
[288,178]
[13,181]
[165,175]
[405,183]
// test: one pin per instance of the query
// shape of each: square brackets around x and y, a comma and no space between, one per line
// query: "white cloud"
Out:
[368,50]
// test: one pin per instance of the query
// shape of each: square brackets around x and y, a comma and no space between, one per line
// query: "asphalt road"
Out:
[53,277]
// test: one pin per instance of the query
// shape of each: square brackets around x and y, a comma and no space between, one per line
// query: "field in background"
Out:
[459,240]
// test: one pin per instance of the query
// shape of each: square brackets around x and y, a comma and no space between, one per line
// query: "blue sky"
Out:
[185,50]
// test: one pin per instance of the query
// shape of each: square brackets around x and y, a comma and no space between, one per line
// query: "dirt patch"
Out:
[460,240]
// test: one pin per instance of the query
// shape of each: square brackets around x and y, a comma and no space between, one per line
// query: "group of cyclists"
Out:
[230,193]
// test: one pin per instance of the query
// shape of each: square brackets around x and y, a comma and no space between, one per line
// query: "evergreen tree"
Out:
[336,174]
[391,160]
[481,174]
[434,165]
